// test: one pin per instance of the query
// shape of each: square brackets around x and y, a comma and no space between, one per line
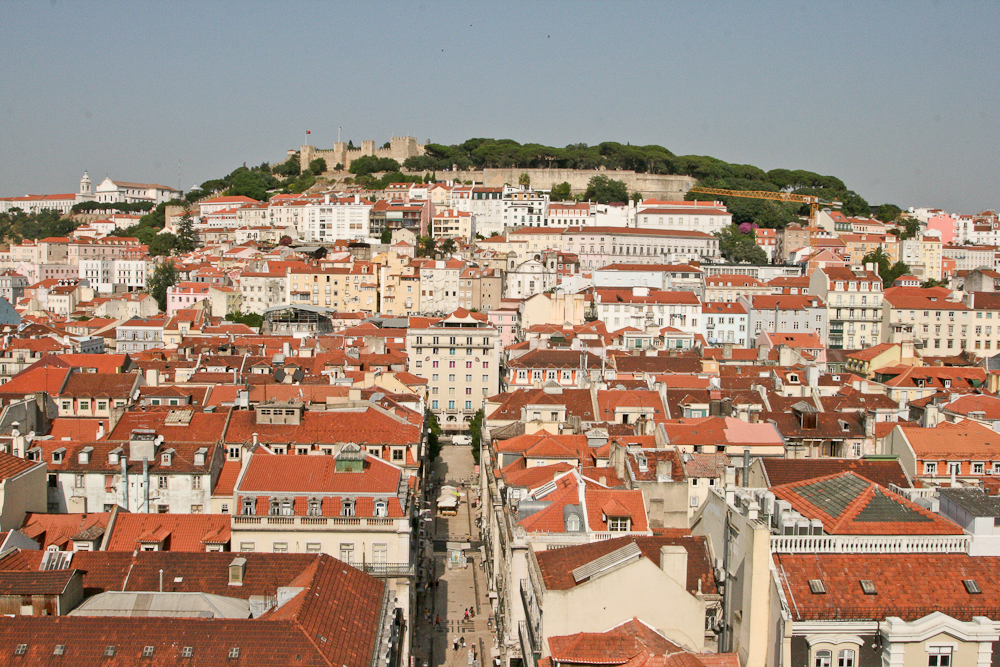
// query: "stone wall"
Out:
[399,149]
[657,186]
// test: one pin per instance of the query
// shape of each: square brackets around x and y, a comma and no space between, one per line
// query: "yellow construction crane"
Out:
[813,201]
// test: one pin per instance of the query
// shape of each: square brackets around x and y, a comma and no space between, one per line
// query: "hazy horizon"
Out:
[899,100]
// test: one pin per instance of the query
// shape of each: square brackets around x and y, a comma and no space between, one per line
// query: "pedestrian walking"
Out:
[472,612]
[466,614]
[437,622]
[455,644]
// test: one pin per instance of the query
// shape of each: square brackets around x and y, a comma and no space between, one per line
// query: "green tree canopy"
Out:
[185,240]
[561,192]
[740,248]
[369,164]
[886,269]
[604,190]
[386,235]
[164,277]
[888,213]
[318,166]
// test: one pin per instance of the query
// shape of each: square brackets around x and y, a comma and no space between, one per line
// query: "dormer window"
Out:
[58,455]
[347,507]
[618,524]
[315,507]
[249,506]
[165,459]
[199,457]
[381,508]
[113,457]
[573,523]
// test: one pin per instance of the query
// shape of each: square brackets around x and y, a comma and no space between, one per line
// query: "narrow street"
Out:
[460,587]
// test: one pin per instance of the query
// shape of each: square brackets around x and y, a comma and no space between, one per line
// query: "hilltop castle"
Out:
[399,149]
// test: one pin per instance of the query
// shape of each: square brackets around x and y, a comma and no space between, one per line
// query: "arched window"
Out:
[249,506]
[573,523]
[314,507]
[823,659]
[381,508]
[287,507]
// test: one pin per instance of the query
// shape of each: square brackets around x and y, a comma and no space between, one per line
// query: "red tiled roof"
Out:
[179,532]
[316,474]
[333,621]
[557,565]
[58,529]
[881,471]
[368,426]
[908,585]
[12,466]
[848,504]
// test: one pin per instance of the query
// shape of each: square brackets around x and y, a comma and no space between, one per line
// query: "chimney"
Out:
[664,471]
[153,377]
[100,430]
[237,569]
[673,562]
[727,350]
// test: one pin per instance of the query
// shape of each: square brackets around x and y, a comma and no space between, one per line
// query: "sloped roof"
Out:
[851,505]
[787,471]
[180,532]
[908,585]
[557,565]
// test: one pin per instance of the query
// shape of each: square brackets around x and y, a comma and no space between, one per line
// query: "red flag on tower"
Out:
[308,131]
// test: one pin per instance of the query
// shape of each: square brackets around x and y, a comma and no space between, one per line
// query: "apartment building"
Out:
[459,356]
[853,298]
[348,288]
[786,312]
[262,290]
[641,307]
[454,224]
[935,318]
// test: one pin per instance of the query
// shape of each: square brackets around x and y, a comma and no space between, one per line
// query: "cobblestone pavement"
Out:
[442,610]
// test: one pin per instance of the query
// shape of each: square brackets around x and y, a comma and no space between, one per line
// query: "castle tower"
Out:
[85,185]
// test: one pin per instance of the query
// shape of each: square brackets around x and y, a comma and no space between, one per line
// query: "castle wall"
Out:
[658,186]
[399,149]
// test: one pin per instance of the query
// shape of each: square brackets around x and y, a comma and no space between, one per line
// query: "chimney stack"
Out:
[673,562]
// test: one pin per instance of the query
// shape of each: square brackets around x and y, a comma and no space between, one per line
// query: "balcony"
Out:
[386,570]
[313,523]
[870,544]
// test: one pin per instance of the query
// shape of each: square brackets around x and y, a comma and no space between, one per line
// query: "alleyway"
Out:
[458,588]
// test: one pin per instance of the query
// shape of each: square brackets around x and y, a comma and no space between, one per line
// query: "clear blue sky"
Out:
[900,100]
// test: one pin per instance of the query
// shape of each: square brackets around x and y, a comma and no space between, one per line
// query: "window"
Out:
[573,523]
[147,652]
[954,468]
[313,547]
[279,547]
[196,509]
[314,507]
[618,524]
[78,481]
[381,508]
[347,508]
[823,659]
[187,652]
[397,454]
[234,652]
[347,552]
[249,506]
[939,656]
[930,468]
[978,468]
[161,482]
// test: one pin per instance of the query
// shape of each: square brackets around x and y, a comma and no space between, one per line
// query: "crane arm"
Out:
[759,194]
